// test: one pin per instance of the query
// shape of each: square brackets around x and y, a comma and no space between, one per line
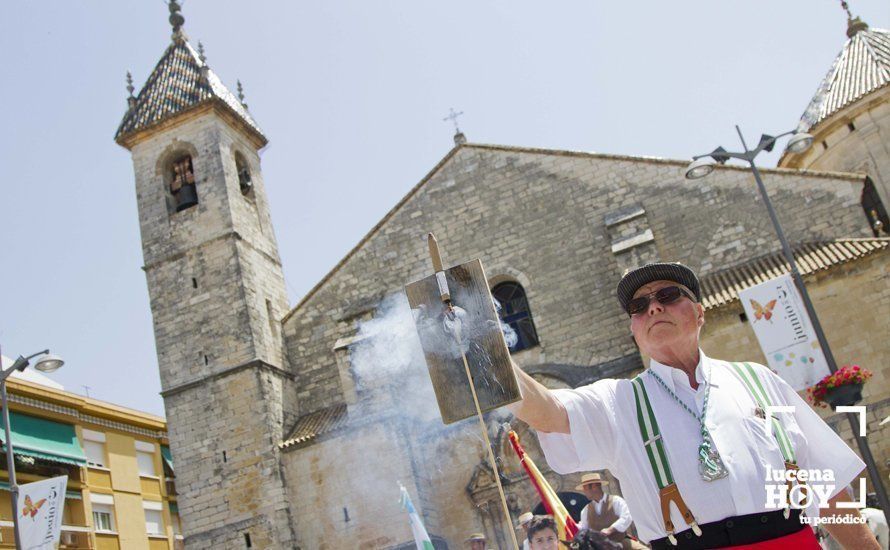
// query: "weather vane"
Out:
[452,116]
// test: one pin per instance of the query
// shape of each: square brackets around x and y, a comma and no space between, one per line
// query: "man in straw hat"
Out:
[477,541]
[522,526]
[606,513]
[688,438]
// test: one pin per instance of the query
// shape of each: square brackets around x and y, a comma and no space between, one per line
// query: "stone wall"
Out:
[225,447]
[346,488]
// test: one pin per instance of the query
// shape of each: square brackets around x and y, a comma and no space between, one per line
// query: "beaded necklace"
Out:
[710,465]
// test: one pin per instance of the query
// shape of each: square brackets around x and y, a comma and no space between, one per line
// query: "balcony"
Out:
[170,486]
[74,537]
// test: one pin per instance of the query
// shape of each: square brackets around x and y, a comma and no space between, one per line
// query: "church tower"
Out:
[217,296]
[849,118]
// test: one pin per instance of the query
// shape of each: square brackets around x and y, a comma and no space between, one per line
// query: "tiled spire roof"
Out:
[862,67]
[180,81]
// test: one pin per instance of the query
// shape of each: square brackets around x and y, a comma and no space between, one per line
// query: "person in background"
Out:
[477,541]
[522,527]
[542,533]
[607,514]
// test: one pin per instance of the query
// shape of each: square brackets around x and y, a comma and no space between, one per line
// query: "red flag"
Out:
[564,522]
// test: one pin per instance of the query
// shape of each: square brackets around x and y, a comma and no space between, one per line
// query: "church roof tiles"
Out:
[722,287]
[312,425]
[862,67]
[179,82]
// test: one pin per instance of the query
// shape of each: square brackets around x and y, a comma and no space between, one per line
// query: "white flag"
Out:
[40,506]
[783,329]
[421,537]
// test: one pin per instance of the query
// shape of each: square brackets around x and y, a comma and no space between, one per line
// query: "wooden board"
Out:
[483,343]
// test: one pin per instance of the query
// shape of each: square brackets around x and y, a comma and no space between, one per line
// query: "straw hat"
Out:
[587,479]
[476,537]
[523,519]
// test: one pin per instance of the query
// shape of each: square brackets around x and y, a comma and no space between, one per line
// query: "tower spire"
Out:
[241,94]
[854,24]
[176,20]
[131,100]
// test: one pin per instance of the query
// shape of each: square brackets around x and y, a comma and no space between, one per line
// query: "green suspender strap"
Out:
[654,445]
[754,385]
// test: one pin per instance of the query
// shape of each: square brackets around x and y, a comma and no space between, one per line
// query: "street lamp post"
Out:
[47,363]
[798,143]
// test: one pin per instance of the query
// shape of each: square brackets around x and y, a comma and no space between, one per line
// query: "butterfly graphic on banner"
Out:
[31,508]
[761,311]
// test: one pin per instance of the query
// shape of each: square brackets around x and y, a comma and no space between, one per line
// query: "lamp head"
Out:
[767,142]
[699,168]
[49,363]
[799,143]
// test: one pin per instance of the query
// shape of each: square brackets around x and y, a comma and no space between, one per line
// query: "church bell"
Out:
[186,197]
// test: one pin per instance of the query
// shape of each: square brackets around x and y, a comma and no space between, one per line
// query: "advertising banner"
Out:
[40,512]
[784,331]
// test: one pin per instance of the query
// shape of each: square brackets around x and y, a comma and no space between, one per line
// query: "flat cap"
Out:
[633,279]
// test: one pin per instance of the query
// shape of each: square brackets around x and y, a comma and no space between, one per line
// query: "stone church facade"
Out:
[281,442]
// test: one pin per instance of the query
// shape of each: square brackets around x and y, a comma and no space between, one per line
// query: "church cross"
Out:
[452,116]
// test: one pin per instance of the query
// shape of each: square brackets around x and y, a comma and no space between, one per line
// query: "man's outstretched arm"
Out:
[539,408]
[849,535]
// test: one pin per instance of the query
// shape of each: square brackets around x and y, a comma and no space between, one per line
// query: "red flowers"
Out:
[848,374]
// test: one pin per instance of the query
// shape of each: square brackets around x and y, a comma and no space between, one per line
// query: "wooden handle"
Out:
[434,252]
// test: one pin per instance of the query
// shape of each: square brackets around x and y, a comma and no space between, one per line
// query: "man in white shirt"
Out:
[522,526]
[607,514]
[688,439]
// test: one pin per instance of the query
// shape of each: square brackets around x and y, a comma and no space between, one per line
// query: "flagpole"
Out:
[491,459]
[451,314]
[549,498]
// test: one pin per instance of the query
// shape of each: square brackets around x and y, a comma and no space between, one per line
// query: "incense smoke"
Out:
[392,379]
[388,344]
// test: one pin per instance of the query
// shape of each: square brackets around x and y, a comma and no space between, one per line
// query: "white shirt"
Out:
[619,508]
[604,434]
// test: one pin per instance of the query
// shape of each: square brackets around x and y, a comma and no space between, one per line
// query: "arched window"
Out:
[515,312]
[574,503]
[874,209]
[244,181]
[182,183]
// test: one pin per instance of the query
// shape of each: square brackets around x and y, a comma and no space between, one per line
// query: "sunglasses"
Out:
[665,296]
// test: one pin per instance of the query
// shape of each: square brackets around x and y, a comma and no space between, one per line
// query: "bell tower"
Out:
[217,296]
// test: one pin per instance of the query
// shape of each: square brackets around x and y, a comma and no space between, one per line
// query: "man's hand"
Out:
[539,408]
[850,535]
[607,531]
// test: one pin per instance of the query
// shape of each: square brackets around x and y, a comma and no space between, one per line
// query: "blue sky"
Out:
[352,96]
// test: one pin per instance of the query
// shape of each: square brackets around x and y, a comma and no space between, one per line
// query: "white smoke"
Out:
[392,379]
[510,336]
[388,351]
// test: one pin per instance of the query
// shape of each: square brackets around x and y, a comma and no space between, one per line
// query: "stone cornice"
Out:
[255,363]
